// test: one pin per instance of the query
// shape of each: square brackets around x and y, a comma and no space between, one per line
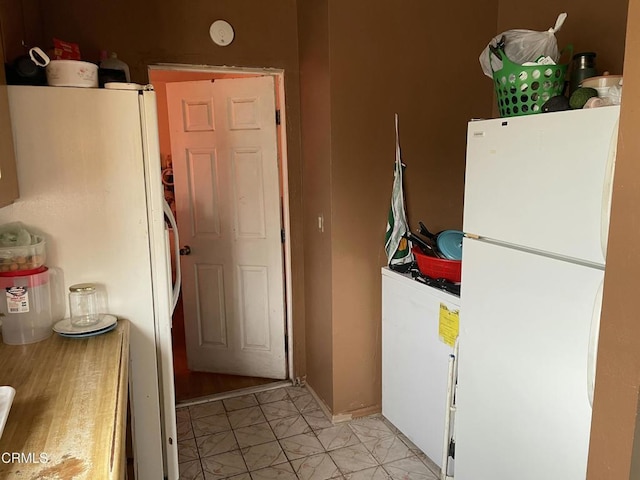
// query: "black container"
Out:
[583,65]
[108,75]
[23,71]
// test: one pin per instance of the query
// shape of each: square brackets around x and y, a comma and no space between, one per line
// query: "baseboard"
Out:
[363,412]
[323,406]
[342,417]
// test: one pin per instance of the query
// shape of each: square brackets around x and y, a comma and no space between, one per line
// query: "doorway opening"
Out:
[192,385]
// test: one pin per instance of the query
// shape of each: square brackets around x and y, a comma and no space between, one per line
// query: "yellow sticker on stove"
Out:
[449,325]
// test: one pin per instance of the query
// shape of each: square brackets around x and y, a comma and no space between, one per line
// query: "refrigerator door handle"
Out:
[594,335]
[449,418]
[176,250]
[607,190]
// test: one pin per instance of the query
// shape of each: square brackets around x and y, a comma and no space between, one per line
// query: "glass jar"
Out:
[83,305]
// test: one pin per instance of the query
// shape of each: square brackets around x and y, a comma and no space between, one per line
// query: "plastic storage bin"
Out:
[26,305]
[522,90]
[18,260]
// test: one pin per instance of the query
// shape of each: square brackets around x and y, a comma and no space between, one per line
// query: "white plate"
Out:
[6,399]
[89,334]
[123,86]
[64,326]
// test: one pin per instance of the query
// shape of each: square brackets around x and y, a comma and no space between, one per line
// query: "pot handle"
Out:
[423,230]
[39,57]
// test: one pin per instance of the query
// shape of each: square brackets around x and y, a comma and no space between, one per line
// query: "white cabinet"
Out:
[415,360]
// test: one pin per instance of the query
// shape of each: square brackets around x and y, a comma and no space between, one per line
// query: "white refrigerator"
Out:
[536,216]
[90,179]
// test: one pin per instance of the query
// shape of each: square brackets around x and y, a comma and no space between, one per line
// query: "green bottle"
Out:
[583,66]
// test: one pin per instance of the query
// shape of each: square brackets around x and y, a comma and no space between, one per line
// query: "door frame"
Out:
[217,72]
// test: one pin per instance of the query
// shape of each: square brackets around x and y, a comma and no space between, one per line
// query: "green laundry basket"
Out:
[522,90]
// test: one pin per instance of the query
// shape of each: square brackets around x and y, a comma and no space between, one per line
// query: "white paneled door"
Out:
[225,161]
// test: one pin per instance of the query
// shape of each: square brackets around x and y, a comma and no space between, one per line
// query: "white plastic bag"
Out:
[523,46]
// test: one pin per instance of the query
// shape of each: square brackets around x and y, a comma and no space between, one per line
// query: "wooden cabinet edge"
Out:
[8,171]
[118,449]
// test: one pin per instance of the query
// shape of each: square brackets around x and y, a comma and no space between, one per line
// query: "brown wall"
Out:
[361,62]
[316,133]
[174,31]
[615,417]
[21,24]
[403,60]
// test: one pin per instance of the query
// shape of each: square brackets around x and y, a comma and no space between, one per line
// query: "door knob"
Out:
[186,250]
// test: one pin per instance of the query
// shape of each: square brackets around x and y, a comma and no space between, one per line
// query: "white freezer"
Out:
[415,360]
[543,181]
[523,408]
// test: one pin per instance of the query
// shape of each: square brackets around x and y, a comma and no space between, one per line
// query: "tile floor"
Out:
[283,434]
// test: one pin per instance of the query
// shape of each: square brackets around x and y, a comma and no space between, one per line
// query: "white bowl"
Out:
[72,73]
[602,83]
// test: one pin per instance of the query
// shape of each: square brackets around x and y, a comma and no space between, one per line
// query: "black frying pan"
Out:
[426,248]
[446,244]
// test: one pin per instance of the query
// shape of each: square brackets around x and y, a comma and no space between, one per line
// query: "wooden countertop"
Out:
[69,408]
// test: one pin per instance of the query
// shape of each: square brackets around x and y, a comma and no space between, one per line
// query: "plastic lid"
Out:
[602,81]
[82,287]
[24,273]
[450,244]
[123,86]
[37,277]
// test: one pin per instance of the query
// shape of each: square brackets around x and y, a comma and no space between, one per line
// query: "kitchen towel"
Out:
[396,245]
